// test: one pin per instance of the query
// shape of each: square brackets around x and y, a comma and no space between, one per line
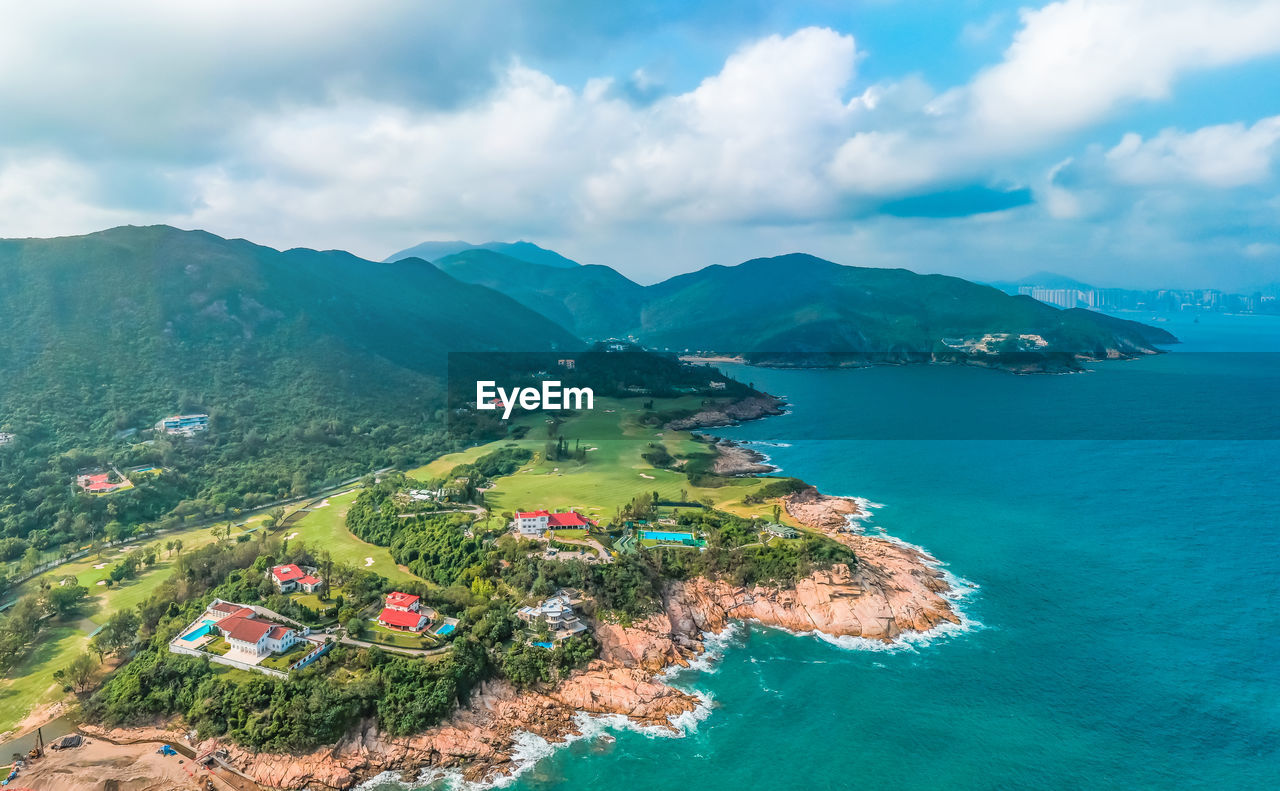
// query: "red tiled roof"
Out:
[309,580]
[249,630]
[531,514]
[277,632]
[405,620]
[287,573]
[570,519]
[399,599]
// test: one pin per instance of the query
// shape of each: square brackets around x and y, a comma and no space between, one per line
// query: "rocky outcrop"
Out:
[733,459]
[751,408]
[824,512]
[480,740]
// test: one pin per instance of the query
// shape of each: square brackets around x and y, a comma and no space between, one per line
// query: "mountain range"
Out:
[799,309]
[521,251]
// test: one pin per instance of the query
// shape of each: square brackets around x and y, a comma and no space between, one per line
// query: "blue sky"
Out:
[1126,142]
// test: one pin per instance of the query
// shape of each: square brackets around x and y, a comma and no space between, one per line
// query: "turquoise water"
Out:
[663,535]
[198,632]
[446,629]
[1127,619]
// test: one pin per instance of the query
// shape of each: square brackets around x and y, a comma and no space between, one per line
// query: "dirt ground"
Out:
[102,766]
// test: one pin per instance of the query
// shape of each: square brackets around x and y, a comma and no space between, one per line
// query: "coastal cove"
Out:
[1122,636]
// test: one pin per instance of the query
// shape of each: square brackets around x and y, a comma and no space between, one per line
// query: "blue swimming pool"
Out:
[544,645]
[198,632]
[446,629]
[663,535]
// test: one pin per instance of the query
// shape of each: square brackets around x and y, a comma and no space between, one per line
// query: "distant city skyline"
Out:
[1127,142]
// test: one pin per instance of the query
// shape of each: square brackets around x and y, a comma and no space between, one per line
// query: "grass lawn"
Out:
[313,600]
[31,682]
[282,661]
[572,535]
[613,471]
[326,528]
[218,646]
[376,633]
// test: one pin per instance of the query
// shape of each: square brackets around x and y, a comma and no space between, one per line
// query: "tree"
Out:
[79,672]
[118,633]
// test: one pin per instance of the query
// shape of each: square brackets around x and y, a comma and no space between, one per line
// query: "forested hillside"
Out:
[313,366]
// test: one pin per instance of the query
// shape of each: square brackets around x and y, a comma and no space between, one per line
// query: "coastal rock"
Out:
[751,408]
[733,459]
[823,512]
[478,740]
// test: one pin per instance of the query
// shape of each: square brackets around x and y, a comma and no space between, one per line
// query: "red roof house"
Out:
[406,602]
[570,519]
[531,514]
[402,619]
[287,573]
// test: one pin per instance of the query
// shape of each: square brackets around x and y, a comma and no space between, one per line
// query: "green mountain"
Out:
[798,309]
[521,251]
[589,301]
[314,367]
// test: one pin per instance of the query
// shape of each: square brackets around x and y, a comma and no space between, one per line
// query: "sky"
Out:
[1129,143]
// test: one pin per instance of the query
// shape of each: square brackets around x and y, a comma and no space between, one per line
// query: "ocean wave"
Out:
[714,644]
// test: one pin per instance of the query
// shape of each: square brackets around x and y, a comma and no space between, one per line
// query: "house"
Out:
[781,531]
[568,520]
[289,578]
[404,611]
[717,385]
[532,523]
[558,613]
[535,523]
[183,425]
[248,633]
[404,602]
[567,364]
[99,483]
[5,438]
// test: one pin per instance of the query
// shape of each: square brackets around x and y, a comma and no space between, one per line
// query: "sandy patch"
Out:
[323,504]
[650,477]
[291,536]
[101,565]
[102,582]
[368,562]
[136,767]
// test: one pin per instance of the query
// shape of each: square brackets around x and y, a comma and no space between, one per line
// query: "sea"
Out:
[1116,534]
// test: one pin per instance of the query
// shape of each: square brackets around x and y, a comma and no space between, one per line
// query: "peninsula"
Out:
[559,575]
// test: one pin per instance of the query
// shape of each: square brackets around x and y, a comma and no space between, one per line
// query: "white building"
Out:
[558,613]
[183,425]
[532,523]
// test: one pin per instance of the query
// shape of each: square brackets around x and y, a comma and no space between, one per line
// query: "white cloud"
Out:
[1227,155]
[1074,62]
[46,195]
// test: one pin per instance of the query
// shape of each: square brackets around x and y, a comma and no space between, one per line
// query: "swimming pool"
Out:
[446,629]
[200,631]
[543,645]
[663,535]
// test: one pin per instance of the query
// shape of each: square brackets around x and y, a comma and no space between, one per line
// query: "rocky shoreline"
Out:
[893,589]
[734,459]
[750,408]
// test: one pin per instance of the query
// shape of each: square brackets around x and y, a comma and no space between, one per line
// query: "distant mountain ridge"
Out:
[799,309]
[521,251]
[153,313]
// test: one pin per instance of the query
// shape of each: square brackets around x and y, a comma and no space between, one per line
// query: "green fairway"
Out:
[613,471]
[325,528]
